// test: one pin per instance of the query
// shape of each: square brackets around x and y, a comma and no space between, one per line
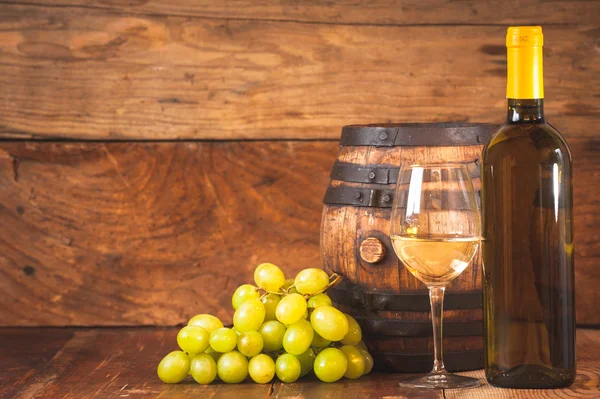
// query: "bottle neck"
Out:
[525,111]
[525,79]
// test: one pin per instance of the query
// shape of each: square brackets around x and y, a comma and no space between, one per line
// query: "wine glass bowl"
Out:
[435,231]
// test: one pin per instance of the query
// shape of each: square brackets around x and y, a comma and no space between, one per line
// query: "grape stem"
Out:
[334,279]
[287,290]
[265,292]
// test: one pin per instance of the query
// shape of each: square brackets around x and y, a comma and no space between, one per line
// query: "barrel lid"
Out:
[417,134]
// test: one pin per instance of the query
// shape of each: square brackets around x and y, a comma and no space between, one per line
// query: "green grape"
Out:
[330,365]
[319,300]
[270,301]
[272,333]
[261,369]
[361,345]
[288,283]
[209,322]
[243,293]
[368,360]
[223,340]
[307,360]
[174,367]
[288,368]
[319,342]
[291,308]
[354,334]
[193,339]
[269,277]
[311,281]
[232,367]
[293,290]
[249,316]
[203,369]
[356,362]
[298,337]
[329,322]
[250,343]
[213,353]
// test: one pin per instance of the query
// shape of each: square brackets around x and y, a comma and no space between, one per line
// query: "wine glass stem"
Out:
[436,297]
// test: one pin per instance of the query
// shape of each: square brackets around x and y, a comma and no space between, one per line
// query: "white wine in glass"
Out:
[435,260]
[435,231]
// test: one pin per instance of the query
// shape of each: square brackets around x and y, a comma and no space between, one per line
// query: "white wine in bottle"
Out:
[527,245]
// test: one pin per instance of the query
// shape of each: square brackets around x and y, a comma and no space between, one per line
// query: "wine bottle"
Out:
[527,243]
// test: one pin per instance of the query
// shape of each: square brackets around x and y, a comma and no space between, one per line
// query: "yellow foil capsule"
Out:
[525,67]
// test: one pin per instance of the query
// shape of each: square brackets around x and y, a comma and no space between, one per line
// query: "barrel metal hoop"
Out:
[408,302]
[411,328]
[377,174]
[417,134]
[359,197]
[418,363]
[372,197]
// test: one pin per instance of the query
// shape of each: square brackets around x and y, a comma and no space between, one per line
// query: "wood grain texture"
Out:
[586,211]
[94,73]
[395,12]
[372,250]
[375,385]
[18,369]
[151,233]
[115,363]
[141,233]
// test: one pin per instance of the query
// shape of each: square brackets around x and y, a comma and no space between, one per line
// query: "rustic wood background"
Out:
[108,233]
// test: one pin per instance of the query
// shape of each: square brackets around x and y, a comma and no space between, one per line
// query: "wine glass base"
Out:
[440,381]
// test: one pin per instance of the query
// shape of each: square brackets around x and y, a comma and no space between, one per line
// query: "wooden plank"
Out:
[372,386]
[385,385]
[396,12]
[587,382]
[24,353]
[586,208]
[151,233]
[117,363]
[101,74]
[113,363]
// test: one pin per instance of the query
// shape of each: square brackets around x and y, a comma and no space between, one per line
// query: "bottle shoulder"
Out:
[540,137]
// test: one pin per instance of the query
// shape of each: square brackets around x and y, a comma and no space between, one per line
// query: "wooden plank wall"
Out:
[173,70]
[152,232]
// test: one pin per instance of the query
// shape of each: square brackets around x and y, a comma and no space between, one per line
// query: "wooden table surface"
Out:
[121,363]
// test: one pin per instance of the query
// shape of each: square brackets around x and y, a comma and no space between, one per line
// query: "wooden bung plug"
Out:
[372,250]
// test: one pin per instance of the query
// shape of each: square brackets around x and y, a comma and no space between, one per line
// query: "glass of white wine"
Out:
[435,230]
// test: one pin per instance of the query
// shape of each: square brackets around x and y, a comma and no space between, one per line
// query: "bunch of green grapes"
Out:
[284,328]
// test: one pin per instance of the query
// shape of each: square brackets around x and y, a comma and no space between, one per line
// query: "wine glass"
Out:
[435,231]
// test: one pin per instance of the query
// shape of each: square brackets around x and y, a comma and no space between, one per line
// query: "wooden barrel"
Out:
[390,304]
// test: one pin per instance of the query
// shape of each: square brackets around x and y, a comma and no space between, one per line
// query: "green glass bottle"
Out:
[527,246]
